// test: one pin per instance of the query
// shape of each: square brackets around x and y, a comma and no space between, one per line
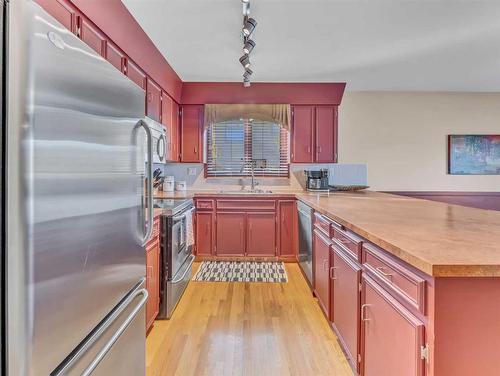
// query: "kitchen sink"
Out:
[246,191]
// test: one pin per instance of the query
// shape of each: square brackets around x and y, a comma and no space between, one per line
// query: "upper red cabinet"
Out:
[115,56]
[314,134]
[153,100]
[135,74]
[62,11]
[91,35]
[191,133]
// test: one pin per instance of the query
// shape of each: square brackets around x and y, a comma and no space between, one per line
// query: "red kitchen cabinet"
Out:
[135,74]
[62,11]
[152,281]
[391,336]
[204,233]
[321,263]
[287,228]
[169,118]
[314,134]
[153,100]
[191,131]
[91,35]
[345,303]
[326,137]
[302,134]
[230,234]
[261,234]
[115,56]
[175,132]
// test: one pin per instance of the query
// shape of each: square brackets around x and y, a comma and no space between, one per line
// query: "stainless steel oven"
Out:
[177,242]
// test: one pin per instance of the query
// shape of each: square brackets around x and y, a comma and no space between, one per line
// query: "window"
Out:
[232,147]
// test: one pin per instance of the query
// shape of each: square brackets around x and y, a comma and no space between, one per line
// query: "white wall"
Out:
[402,137]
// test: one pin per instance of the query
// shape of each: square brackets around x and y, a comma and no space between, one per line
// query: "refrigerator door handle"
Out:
[149,187]
[107,347]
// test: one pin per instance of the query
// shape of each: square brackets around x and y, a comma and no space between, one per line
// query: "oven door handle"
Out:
[177,280]
[179,217]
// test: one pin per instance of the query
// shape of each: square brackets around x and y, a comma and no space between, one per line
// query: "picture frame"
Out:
[475,154]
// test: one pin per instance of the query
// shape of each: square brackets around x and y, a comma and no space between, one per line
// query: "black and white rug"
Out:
[241,271]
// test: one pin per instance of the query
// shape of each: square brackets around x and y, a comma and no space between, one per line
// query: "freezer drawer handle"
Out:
[118,333]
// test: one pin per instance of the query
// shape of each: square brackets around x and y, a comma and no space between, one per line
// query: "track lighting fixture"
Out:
[248,46]
[249,26]
[245,61]
[248,73]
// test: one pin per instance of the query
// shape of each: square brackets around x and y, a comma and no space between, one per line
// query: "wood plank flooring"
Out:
[245,329]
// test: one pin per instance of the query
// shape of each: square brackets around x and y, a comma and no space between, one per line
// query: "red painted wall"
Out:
[114,19]
[234,92]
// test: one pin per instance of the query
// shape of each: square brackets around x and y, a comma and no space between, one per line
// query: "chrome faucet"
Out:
[254,183]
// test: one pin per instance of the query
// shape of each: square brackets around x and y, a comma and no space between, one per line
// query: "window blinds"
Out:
[233,146]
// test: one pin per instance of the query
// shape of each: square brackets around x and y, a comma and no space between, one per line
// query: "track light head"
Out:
[245,61]
[249,25]
[247,74]
[248,46]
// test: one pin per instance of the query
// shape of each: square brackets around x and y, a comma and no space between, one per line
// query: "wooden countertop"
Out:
[439,239]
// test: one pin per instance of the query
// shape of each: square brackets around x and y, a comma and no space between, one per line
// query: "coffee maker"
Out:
[317,180]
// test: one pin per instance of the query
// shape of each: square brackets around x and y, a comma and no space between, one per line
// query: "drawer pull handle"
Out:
[385,274]
[332,272]
[363,317]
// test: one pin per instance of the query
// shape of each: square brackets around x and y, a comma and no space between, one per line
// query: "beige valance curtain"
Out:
[276,113]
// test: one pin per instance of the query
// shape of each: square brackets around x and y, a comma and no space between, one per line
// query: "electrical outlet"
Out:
[192,171]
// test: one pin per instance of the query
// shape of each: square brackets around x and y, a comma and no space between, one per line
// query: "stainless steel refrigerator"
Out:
[75,213]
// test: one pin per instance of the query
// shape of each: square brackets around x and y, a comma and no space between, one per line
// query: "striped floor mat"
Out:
[241,271]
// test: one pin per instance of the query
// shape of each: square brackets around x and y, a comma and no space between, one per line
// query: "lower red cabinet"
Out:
[321,261]
[230,234]
[261,234]
[391,336]
[204,233]
[345,303]
[152,281]
[288,230]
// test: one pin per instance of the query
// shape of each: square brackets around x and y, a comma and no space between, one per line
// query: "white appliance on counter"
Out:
[169,184]
[159,134]
[181,186]
[75,213]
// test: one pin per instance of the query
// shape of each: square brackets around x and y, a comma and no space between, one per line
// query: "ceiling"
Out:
[423,45]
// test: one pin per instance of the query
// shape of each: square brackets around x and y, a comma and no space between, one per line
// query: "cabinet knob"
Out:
[363,317]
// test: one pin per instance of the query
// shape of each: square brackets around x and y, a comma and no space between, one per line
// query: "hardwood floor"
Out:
[239,328]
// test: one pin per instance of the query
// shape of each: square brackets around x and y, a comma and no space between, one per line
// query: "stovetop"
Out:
[172,206]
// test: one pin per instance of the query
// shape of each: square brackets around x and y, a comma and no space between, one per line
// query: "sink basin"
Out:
[246,191]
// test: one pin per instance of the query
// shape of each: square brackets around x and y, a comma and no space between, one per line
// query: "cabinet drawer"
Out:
[247,204]
[322,223]
[205,204]
[350,242]
[404,283]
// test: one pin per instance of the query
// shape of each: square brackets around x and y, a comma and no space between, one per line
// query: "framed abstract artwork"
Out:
[474,154]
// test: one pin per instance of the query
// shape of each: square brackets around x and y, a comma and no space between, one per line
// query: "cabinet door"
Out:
[287,228]
[136,74]
[153,100]
[166,120]
[62,11]
[345,299]
[302,134]
[391,335]
[326,134]
[191,128]
[230,234]
[261,234]
[152,281]
[321,256]
[175,132]
[92,35]
[115,56]
[204,233]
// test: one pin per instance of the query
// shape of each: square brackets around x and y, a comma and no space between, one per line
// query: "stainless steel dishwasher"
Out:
[305,240]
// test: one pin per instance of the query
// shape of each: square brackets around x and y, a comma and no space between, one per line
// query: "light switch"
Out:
[192,171]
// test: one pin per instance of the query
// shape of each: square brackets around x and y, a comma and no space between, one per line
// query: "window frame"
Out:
[247,135]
